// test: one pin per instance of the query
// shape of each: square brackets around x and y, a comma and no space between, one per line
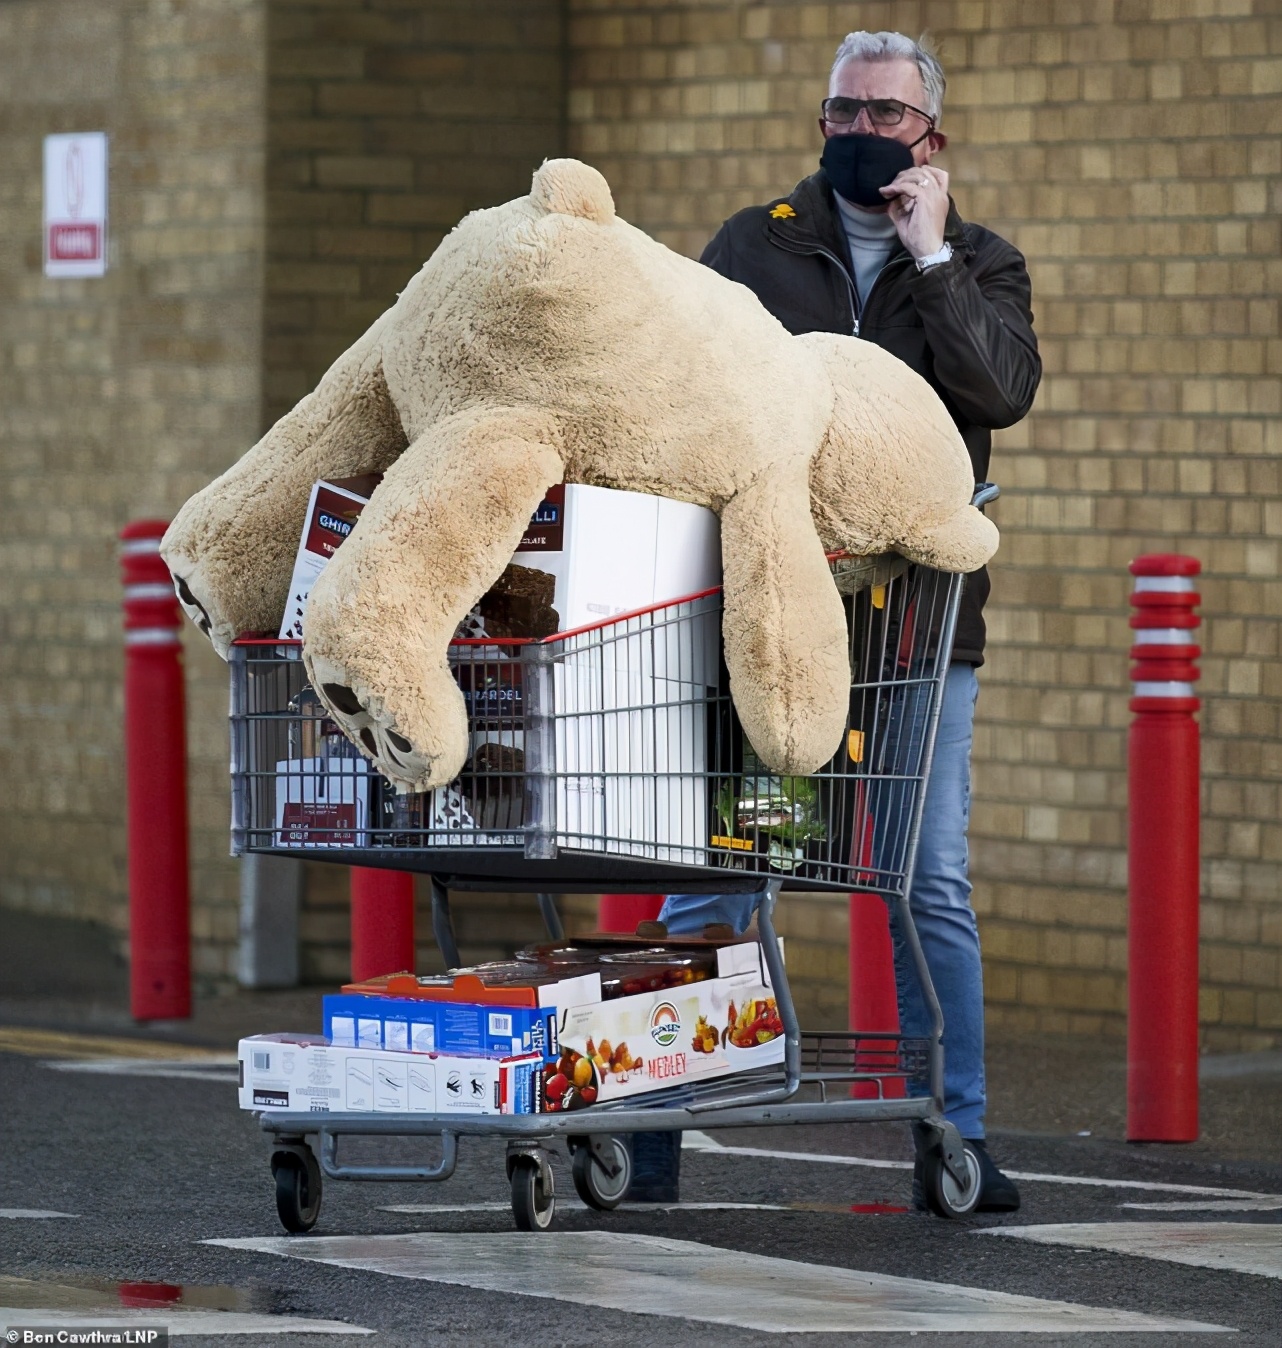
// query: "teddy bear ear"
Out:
[963,543]
[570,187]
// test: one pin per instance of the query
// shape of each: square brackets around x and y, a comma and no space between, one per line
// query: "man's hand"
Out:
[919,207]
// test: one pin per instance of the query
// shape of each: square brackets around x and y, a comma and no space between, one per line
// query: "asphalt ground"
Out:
[151,1167]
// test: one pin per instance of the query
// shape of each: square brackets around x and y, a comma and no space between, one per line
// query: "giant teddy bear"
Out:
[548,340]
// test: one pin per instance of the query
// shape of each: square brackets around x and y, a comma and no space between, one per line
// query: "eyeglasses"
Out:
[881,111]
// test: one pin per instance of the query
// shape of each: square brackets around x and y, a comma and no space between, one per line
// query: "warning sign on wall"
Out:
[75,216]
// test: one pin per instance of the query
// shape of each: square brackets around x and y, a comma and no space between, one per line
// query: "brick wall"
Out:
[121,395]
[281,168]
[278,172]
[1130,149]
[388,122]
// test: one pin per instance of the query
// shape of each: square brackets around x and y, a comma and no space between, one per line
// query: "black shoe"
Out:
[997,1192]
[656,1167]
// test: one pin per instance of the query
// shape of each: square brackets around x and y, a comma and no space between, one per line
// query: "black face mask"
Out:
[859,166]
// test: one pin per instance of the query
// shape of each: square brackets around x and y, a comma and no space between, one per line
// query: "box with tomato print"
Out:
[630,1046]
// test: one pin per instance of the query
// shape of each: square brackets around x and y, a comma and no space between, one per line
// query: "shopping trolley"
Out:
[611,757]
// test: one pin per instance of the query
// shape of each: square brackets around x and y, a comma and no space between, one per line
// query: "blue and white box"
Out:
[407,1025]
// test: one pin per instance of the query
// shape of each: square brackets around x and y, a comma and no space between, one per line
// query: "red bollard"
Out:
[622,912]
[1163,768]
[382,922]
[156,782]
[874,1002]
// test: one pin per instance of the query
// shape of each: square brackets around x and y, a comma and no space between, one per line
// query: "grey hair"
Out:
[864,46]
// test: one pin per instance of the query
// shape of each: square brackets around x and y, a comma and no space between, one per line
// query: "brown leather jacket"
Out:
[965,325]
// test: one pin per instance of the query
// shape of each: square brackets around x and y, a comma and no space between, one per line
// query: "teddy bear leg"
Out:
[440,529]
[231,547]
[784,628]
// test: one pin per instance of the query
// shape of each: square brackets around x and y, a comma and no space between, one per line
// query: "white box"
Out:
[630,699]
[307,1074]
[621,551]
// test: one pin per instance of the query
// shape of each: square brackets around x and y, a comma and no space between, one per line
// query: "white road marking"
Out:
[640,1209]
[221,1069]
[696,1141]
[702,1142]
[1270,1204]
[1229,1065]
[176,1321]
[1239,1247]
[33,1213]
[651,1275]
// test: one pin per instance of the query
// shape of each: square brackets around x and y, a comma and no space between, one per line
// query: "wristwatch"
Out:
[934,259]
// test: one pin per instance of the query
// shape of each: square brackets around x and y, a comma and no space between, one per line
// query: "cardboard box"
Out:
[332,510]
[631,733]
[674,1037]
[305,1073]
[467,987]
[406,1025]
[643,1043]
[322,802]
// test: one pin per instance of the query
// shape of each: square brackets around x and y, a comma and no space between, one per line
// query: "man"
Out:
[873,245]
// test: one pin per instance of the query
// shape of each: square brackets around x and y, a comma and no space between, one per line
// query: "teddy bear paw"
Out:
[374,729]
[220,634]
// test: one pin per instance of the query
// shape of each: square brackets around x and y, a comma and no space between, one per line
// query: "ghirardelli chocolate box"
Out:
[332,512]
[492,693]
[547,525]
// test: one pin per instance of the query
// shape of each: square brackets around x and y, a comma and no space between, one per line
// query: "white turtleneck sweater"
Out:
[871,236]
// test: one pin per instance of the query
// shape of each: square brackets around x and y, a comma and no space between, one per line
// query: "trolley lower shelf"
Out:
[822,1077]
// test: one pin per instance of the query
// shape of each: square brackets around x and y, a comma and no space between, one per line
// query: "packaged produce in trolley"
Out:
[678,1034]
[630,734]
[630,1020]
[306,1073]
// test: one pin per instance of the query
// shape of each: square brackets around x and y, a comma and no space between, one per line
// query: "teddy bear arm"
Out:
[231,547]
[962,543]
[784,627]
[444,522]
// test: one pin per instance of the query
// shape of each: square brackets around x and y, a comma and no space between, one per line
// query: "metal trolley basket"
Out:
[611,757]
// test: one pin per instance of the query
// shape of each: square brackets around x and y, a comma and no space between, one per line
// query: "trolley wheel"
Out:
[533,1205]
[596,1188]
[298,1190]
[944,1196]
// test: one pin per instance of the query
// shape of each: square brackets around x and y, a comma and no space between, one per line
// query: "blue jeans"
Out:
[940,903]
